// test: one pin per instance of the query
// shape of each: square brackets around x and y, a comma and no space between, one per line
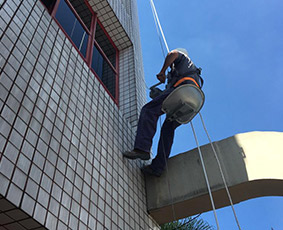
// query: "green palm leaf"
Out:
[188,224]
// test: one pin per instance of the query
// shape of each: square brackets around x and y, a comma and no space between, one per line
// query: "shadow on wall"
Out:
[251,163]
[13,217]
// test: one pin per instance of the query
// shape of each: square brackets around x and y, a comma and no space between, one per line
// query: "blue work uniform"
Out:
[152,111]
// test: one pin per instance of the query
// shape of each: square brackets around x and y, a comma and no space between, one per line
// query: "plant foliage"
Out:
[187,224]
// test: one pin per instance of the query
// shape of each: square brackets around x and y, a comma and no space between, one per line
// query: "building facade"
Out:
[71,88]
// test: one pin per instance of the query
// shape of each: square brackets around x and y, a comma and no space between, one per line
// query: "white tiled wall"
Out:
[61,134]
[120,19]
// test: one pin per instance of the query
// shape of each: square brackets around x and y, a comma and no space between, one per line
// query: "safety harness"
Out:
[174,79]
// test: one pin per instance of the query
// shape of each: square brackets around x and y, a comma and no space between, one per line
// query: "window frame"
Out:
[116,70]
[90,43]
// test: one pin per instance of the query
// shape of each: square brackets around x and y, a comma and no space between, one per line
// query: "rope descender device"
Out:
[154,91]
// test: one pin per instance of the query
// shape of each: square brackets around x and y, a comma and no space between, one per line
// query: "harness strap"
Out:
[185,79]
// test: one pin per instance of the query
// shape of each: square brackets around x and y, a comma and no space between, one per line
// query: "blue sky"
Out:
[239,45]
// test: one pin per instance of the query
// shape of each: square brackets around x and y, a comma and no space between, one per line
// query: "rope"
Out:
[206,178]
[158,25]
[168,183]
[159,28]
[221,172]
[157,22]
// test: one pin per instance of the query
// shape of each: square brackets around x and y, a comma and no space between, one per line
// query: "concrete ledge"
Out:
[252,166]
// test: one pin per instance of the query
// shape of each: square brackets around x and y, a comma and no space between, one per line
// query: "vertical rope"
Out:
[158,23]
[159,36]
[159,28]
[221,172]
[167,180]
[206,178]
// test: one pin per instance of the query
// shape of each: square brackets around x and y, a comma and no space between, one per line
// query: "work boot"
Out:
[136,153]
[147,170]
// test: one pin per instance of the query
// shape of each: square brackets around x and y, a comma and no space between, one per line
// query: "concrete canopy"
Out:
[251,163]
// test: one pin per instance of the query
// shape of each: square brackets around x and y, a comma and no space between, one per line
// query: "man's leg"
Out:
[164,145]
[147,127]
[147,124]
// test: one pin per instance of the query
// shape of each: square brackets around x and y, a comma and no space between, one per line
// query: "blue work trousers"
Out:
[147,127]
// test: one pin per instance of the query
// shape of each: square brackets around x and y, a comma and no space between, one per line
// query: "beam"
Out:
[251,163]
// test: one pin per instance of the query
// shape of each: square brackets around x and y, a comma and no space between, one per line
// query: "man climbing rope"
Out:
[183,71]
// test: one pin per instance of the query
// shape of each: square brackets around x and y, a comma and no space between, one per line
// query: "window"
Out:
[87,34]
[49,4]
[104,60]
[73,25]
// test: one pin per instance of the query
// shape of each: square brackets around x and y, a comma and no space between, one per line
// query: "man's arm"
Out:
[170,58]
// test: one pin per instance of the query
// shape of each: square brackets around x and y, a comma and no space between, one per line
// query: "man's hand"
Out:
[161,77]
[170,58]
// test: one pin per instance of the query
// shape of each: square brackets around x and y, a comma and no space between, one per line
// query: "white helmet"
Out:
[183,51]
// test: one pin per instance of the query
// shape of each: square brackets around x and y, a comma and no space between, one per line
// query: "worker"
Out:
[183,71]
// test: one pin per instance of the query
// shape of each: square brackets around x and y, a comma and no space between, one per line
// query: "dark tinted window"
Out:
[72,26]
[82,10]
[104,71]
[49,3]
[105,44]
